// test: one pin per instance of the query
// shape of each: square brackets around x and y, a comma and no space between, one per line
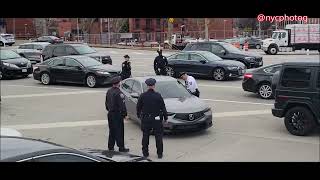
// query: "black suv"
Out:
[56,50]
[227,51]
[297,97]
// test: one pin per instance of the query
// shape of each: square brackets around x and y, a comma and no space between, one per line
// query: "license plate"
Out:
[24,70]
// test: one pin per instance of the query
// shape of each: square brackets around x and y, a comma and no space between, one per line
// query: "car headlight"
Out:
[103,72]
[207,109]
[10,65]
[232,68]
[249,58]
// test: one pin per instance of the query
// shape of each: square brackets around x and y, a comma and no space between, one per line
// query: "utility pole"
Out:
[78,28]
[101,30]
[169,31]
[14,27]
[259,29]
[109,33]
[206,29]
[44,27]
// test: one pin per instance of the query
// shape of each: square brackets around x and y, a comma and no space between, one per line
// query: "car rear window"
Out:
[296,77]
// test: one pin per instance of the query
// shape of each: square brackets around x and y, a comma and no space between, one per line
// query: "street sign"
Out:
[171,20]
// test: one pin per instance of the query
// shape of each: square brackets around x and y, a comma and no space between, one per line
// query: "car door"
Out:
[220,51]
[199,64]
[74,71]
[182,62]
[136,88]
[59,51]
[126,88]
[57,69]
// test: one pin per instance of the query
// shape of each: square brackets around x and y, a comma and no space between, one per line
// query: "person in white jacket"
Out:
[190,84]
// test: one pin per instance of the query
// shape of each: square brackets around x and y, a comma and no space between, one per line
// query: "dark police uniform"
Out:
[149,106]
[160,63]
[115,105]
[126,69]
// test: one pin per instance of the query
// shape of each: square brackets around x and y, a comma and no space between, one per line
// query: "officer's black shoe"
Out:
[124,150]
[160,156]
[145,154]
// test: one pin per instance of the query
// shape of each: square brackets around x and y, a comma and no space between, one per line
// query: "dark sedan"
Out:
[49,39]
[75,69]
[68,49]
[227,51]
[260,81]
[185,111]
[13,65]
[203,63]
[19,149]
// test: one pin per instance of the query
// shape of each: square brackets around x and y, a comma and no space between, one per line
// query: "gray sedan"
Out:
[185,111]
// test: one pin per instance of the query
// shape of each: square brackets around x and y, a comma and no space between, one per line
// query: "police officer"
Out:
[116,108]
[160,63]
[190,83]
[126,68]
[150,105]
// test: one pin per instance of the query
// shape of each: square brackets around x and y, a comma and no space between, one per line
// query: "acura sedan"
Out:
[185,111]
[75,69]
[204,63]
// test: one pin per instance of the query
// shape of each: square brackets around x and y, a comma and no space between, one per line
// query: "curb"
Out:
[132,48]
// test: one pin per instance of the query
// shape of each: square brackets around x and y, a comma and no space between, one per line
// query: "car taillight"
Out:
[248,76]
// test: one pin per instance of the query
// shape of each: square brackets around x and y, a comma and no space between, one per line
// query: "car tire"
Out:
[45,78]
[265,91]
[219,74]
[1,43]
[25,76]
[91,81]
[273,50]
[170,71]
[258,46]
[299,121]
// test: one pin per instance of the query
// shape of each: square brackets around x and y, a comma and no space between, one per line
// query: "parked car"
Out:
[75,69]
[49,39]
[20,149]
[203,63]
[254,43]
[260,80]
[227,51]
[32,51]
[13,65]
[297,96]
[7,39]
[186,112]
[74,49]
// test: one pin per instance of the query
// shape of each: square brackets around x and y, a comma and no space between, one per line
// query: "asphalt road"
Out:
[244,128]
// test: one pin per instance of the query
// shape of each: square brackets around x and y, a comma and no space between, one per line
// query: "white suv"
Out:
[7,39]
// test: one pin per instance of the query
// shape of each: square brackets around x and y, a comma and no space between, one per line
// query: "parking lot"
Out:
[243,129]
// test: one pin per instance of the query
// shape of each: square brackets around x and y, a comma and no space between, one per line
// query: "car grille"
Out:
[22,65]
[189,116]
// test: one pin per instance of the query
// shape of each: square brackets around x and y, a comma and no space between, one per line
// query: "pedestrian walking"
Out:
[160,63]
[190,84]
[117,111]
[126,68]
[150,105]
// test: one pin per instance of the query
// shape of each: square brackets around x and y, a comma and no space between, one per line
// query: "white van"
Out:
[7,39]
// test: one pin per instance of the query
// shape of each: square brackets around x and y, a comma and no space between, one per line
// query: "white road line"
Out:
[219,86]
[113,52]
[239,102]
[105,122]
[139,53]
[49,94]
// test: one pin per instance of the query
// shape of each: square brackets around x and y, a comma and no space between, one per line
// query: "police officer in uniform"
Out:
[116,108]
[190,84]
[160,63]
[150,105]
[126,68]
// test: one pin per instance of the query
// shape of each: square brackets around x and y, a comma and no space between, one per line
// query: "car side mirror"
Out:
[134,95]
[223,51]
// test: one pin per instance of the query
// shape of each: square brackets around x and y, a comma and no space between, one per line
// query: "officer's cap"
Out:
[182,73]
[150,82]
[126,56]
[116,80]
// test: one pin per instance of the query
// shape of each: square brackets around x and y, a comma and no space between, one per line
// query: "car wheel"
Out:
[1,43]
[25,76]
[91,81]
[45,78]
[272,50]
[170,71]
[219,74]
[299,121]
[265,91]
[258,46]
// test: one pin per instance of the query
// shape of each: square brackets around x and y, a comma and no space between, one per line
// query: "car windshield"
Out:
[230,48]
[210,56]
[170,89]
[8,54]
[88,61]
[275,35]
[82,49]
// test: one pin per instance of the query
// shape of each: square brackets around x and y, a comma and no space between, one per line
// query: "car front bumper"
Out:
[277,112]
[16,71]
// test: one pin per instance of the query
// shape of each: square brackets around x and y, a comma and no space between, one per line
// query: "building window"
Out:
[148,23]
[137,23]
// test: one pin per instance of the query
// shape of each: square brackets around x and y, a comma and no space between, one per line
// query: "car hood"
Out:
[16,61]
[105,67]
[116,156]
[97,54]
[230,63]
[184,105]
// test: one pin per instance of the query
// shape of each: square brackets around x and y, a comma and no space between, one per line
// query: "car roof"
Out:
[315,62]
[70,44]
[200,52]
[17,146]
[41,43]
[142,79]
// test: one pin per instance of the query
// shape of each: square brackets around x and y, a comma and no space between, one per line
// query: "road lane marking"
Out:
[105,122]
[49,94]
[139,53]
[240,102]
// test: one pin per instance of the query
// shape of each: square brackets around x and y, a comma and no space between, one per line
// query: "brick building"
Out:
[21,27]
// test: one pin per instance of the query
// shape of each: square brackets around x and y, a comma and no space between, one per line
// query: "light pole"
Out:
[25,30]
[224,29]
[109,31]
[78,28]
